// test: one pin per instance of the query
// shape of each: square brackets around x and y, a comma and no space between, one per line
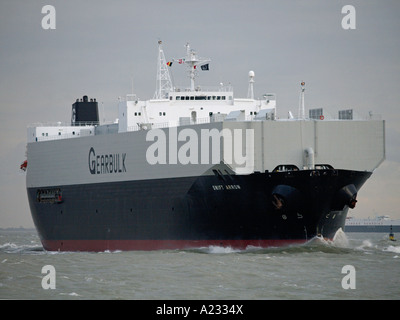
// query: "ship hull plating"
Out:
[260,209]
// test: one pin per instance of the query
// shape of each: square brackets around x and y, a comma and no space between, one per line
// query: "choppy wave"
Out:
[337,245]
[340,244]
[10,247]
[312,270]
[393,249]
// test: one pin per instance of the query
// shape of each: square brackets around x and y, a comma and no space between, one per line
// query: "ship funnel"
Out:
[85,112]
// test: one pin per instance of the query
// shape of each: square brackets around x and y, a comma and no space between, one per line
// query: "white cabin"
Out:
[184,106]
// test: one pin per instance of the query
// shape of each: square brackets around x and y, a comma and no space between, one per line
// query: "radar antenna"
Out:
[250,92]
[164,82]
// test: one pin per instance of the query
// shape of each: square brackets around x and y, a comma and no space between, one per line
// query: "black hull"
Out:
[260,209]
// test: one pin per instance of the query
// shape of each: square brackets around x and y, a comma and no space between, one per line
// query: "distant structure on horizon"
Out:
[377,224]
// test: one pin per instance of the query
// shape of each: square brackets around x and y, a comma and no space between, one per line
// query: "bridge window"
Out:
[286,167]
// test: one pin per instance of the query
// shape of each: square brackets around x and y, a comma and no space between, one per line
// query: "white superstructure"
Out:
[278,144]
[174,106]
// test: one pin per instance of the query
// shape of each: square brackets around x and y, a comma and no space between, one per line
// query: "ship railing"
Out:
[184,122]
[160,125]
[67,124]
[60,137]
[334,115]
[49,124]
[128,97]
[181,122]
[221,88]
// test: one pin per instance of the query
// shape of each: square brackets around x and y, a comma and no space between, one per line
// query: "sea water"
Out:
[351,266]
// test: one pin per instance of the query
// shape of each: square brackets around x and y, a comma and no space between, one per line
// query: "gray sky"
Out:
[100,48]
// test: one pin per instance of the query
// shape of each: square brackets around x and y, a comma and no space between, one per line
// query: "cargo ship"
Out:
[195,167]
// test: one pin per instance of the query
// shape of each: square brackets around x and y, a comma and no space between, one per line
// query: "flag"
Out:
[205,67]
[169,64]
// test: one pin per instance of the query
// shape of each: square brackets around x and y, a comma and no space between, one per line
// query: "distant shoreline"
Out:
[17,229]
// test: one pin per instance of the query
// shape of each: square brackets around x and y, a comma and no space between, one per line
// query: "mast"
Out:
[192,60]
[164,82]
[302,111]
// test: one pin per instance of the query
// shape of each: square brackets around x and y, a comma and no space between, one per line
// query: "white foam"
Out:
[394,249]
[219,249]
[72,294]
[13,247]
[340,239]
[8,245]
[366,244]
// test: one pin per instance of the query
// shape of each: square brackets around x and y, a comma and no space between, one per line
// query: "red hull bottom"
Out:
[132,245]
